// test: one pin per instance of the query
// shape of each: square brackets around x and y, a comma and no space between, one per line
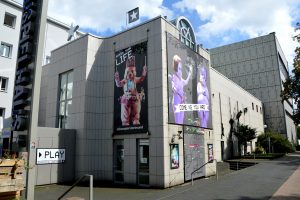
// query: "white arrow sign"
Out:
[50,156]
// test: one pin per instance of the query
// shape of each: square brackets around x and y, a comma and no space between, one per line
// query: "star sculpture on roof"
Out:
[133,16]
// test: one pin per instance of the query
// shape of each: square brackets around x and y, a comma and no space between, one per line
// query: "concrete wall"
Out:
[92,60]
[227,99]
[254,65]
[57,139]
[56,34]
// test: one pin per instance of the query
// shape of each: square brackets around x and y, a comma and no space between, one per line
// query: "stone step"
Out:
[223,168]
[74,198]
[238,165]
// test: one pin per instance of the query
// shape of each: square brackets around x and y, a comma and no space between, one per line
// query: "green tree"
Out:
[292,84]
[244,133]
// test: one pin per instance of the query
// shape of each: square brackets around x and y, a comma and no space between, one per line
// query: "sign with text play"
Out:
[50,156]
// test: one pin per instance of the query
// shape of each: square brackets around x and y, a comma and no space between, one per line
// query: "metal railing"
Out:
[237,163]
[91,195]
[209,162]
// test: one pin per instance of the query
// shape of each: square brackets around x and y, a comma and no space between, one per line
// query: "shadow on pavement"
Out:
[266,198]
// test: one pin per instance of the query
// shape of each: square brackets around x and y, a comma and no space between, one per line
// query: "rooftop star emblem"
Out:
[133,16]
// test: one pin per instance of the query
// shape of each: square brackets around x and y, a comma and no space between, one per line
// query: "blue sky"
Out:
[215,22]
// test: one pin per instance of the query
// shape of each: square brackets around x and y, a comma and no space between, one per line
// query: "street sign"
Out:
[50,156]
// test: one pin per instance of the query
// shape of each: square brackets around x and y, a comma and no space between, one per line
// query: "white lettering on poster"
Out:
[191,107]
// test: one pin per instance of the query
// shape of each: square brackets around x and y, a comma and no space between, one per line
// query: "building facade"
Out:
[10,22]
[259,66]
[147,108]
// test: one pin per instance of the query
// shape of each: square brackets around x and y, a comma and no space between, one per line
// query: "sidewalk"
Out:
[290,190]
[277,179]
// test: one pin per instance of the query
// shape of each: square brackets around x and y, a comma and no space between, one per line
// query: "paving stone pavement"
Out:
[275,179]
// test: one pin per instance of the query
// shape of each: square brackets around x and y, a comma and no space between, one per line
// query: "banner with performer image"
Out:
[130,90]
[188,86]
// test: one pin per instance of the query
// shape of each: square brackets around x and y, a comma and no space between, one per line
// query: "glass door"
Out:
[143,162]
[118,161]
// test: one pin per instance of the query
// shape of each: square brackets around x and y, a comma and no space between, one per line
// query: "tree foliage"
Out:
[244,133]
[278,142]
[292,84]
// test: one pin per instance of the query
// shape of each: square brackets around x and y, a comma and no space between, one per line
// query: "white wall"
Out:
[232,99]
[7,65]
[56,35]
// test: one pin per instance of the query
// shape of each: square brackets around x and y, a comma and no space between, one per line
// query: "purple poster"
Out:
[188,86]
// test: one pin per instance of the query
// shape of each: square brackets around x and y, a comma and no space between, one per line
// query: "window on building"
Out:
[9,20]
[1,118]
[260,110]
[252,106]
[186,32]
[256,108]
[5,50]
[3,84]
[65,98]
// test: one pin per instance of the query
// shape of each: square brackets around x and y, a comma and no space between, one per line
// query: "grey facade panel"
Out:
[262,59]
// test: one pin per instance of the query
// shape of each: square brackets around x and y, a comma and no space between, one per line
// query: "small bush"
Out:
[260,150]
[279,143]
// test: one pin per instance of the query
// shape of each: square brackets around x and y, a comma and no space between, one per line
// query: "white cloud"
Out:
[252,18]
[103,15]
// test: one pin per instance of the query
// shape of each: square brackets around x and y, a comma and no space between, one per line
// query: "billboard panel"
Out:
[130,91]
[189,88]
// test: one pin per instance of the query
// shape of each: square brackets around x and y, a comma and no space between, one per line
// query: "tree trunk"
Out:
[245,148]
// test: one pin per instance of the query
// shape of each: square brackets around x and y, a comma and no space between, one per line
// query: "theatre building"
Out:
[141,107]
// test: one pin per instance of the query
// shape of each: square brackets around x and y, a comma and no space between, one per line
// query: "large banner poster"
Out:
[130,96]
[188,86]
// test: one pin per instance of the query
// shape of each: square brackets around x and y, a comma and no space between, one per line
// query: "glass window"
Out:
[143,161]
[3,84]
[9,20]
[260,109]
[186,33]
[5,50]
[1,112]
[1,118]
[65,98]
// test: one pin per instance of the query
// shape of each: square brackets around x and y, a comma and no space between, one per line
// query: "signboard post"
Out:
[27,83]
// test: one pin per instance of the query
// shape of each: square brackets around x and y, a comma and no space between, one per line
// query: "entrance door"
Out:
[118,161]
[143,162]
[222,150]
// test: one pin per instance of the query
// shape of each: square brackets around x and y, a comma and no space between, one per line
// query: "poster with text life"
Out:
[188,86]
[130,90]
